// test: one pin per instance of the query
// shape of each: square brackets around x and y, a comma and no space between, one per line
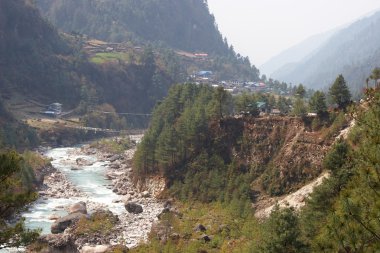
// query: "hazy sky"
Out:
[261,29]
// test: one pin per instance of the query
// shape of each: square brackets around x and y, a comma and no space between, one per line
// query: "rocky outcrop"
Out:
[153,186]
[61,224]
[43,172]
[134,208]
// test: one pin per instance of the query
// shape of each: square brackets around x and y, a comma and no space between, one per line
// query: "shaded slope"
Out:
[41,64]
[33,58]
[151,20]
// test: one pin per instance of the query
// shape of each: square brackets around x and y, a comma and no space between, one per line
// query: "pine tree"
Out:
[283,105]
[340,93]
[300,91]
[14,194]
[299,108]
[318,103]
[284,233]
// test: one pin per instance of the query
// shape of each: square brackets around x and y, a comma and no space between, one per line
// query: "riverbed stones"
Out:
[76,168]
[145,194]
[58,243]
[95,249]
[115,166]
[58,186]
[126,198]
[114,158]
[133,207]
[54,217]
[131,228]
[61,224]
[79,207]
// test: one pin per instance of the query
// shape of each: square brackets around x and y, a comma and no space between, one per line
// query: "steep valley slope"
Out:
[283,152]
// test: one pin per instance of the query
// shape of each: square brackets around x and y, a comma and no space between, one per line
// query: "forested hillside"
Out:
[33,57]
[141,24]
[353,52]
[193,136]
[43,65]
[185,24]
[217,166]
[15,134]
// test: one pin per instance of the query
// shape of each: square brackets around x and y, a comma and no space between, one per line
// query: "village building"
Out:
[262,106]
[312,114]
[53,110]
[275,112]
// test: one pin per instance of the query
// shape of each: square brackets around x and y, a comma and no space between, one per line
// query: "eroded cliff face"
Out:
[283,153]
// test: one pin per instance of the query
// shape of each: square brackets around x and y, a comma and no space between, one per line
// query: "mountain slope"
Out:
[37,63]
[296,53]
[353,52]
[194,28]
[33,57]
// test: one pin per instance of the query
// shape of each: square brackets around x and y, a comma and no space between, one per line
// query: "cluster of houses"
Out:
[203,76]
[53,110]
[233,86]
[236,87]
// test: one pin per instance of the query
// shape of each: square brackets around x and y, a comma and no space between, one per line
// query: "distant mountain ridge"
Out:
[353,51]
[296,53]
[194,28]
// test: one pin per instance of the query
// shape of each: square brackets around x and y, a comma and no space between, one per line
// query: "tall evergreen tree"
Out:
[340,93]
[283,105]
[318,103]
[283,232]
[300,91]
[299,108]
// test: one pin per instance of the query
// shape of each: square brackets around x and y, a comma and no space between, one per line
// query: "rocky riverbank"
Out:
[56,185]
[130,227]
[133,227]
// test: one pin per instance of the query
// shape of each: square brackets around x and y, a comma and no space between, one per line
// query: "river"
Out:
[90,185]
[90,180]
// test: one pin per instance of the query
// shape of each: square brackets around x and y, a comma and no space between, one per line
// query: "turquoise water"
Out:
[91,180]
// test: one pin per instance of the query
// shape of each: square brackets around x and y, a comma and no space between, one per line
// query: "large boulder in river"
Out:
[134,208]
[61,224]
[83,162]
[79,207]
